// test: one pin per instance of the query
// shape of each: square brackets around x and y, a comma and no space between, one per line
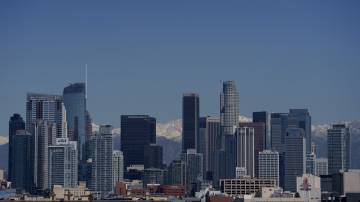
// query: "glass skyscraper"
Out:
[300,118]
[16,122]
[338,148]
[229,108]
[137,131]
[190,123]
[75,103]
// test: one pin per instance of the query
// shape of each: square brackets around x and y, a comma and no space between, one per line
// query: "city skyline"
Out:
[281,55]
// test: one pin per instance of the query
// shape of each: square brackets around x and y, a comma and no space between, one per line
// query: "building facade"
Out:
[295,157]
[193,170]
[137,131]
[190,123]
[101,157]
[63,163]
[22,175]
[244,186]
[245,145]
[16,122]
[229,108]
[321,166]
[300,118]
[269,165]
[265,118]
[118,167]
[338,148]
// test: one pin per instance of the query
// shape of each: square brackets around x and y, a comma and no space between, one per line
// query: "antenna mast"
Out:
[86,80]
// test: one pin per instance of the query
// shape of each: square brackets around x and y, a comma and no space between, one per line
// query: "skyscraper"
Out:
[118,167]
[194,170]
[245,149]
[295,157]
[43,133]
[49,108]
[264,117]
[300,118]
[63,163]
[279,125]
[176,173]
[321,166]
[269,165]
[137,131]
[229,108]
[338,148]
[259,142]
[190,124]
[15,123]
[210,132]
[153,156]
[75,104]
[311,163]
[22,175]
[101,158]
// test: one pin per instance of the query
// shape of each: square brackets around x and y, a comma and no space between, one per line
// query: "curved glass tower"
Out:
[75,104]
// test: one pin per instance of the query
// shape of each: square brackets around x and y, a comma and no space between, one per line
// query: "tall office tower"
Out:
[88,128]
[338,138]
[118,167]
[194,171]
[229,108]
[75,103]
[228,157]
[264,117]
[101,158]
[269,165]
[43,134]
[16,122]
[153,156]
[245,149]
[321,166]
[22,175]
[259,142]
[279,125]
[137,131]
[210,131]
[176,172]
[49,108]
[63,163]
[300,118]
[311,163]
[190,124]
[295,157]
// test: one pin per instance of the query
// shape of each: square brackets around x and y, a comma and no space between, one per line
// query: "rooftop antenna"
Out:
[86,80]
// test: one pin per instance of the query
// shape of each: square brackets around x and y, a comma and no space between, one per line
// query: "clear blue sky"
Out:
[142,55]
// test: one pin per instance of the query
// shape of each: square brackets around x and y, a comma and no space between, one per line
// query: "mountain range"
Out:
[169,137]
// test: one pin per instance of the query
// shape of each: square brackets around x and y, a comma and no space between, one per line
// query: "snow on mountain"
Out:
[3,140]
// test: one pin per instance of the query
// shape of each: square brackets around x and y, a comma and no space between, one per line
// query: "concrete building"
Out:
[269,165]
[78,193]
[245,145]
[243,186]
[101,153]
[321,166]
[309,187]
[295,157]
[338,148]
[210,130]
[190,123]
[63,163]
[193,170]
[118,167]
[176,173]
[44,134]
[49,108]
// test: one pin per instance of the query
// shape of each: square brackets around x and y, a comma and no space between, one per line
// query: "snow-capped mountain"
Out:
[3,140]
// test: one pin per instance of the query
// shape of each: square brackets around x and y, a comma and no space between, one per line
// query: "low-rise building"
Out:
[243,186]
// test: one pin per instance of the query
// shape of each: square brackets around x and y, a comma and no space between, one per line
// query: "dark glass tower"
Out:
[190,125]
[264,117]
[137,131]
[22,175]
[74,97]
[153,156]
[300,118]
[16,122]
